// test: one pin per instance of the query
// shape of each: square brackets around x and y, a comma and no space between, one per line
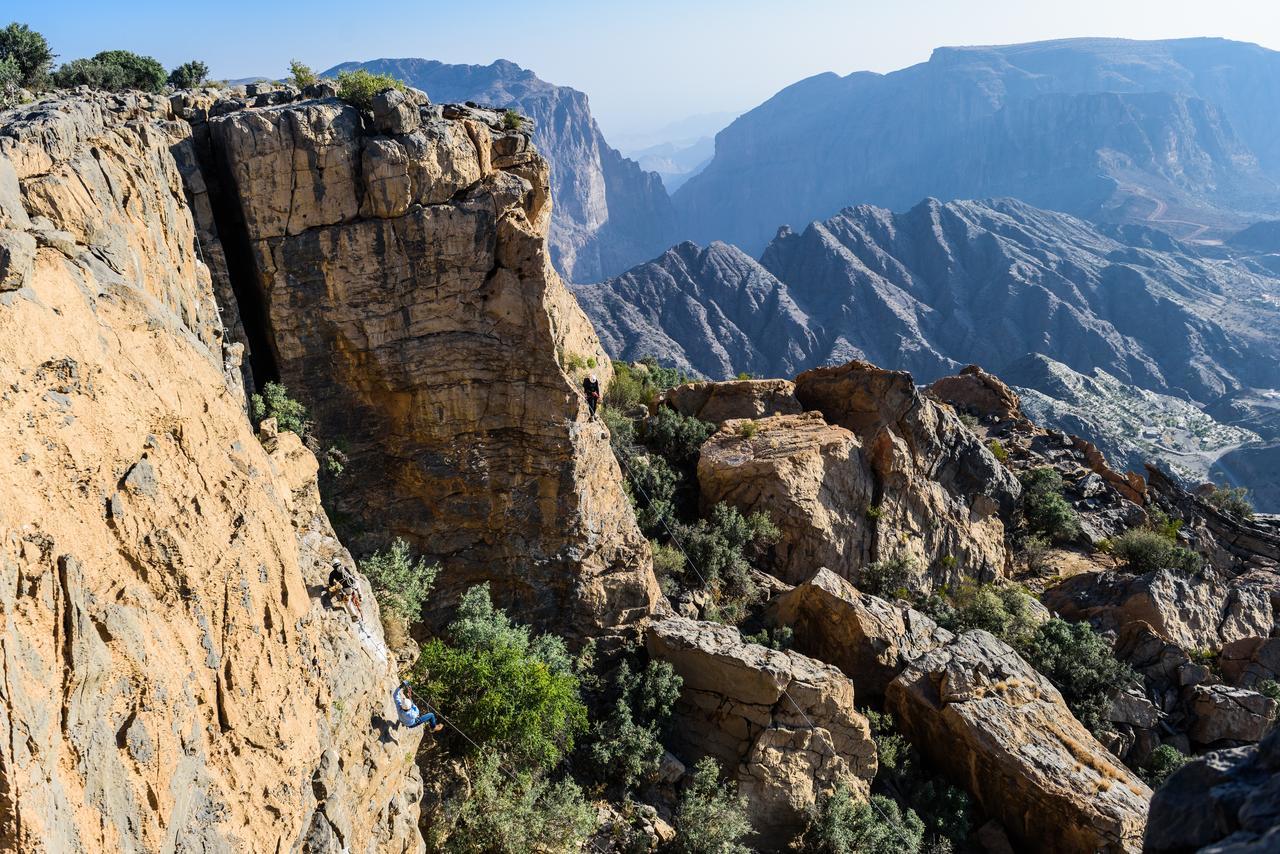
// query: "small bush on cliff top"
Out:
[511,120]
[1144,550]
[29,54]
[10,83]
[358,87]
[638,385]
[503,687]
[1233,501]
[712,817]
[114,71]
[189,75]
[300,74]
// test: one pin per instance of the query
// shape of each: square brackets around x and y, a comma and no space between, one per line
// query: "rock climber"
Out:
[591,387]
[408,710]
[344,590]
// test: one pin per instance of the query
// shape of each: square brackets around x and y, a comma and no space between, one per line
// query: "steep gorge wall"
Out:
[401,263]
[169,676]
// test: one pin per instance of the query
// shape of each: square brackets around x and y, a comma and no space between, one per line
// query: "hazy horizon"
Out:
[643,67]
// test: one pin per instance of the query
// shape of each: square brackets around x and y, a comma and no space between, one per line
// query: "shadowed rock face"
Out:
[1174,131]
[609,213]
[412,306]
[172,679]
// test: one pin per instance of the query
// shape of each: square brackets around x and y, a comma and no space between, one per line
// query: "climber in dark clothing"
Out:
[591,387]
[407,710]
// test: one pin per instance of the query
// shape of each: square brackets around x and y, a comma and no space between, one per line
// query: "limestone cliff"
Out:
[170,678]
[399,264]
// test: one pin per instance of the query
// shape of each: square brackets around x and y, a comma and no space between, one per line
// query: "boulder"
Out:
[17,255]
[394,113]
[1000,729]
[975,391]
[1227,802]
[807,476]
[1230,714]
[781,724]
[869,639]
[718,402]
[1248,661]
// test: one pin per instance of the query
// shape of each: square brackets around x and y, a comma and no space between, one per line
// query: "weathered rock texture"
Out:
[169,677]
[411,305]
[869,639]
[979,711]
[783,725]
[719,402]
[1227,802]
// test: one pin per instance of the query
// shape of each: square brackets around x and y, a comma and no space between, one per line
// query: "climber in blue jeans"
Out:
[408,710]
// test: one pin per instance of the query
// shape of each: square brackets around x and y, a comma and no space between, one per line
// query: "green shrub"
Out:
[10,83]
[668,566]
[677,437]
[775,637]
[504,688]
[358,87]
[1162,762]
[633,387]
[873,512]
[969,420]
[1005,610]
[653,485]
[114,71]
[748,429]
[400,585]
[1144,550]
[626,747]
[511,120]
[843,825]
[497,814]
[887,578]
[189,75]
[1268,688]
[711,817]
[997,450]
[1043,507]
[300,74]
[722,547]
[274,402]
[1234,501]
[28,53]
[1081,665]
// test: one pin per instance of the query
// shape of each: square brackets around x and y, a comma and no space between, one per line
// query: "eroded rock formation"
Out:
[172,679]
[719,402]
[411,304]
[783,725]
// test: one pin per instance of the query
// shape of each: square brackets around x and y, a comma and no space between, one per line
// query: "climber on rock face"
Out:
[407,710]
[591,388]
[344,590]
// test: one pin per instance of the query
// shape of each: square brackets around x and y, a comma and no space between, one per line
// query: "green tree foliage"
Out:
[1005,610]
[358,87]
[10,83]
[668,566]
[842,824]
[888,578]
[1162,762]
[114,71]
[514,813]
[712,816]
[275,402]
[511,120]
[653,485]
[639,386]
[722,547]
[503,687]
[28,54]
[300,74]
[677,437]
[1234,501]
[189,75]
[626,746]
[1045,510]
[400,584]
[1081,665]
[1145,550]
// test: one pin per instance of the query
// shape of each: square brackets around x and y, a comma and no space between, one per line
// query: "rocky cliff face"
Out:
[400,267]
[609,213]
[1174,132]
[172,679]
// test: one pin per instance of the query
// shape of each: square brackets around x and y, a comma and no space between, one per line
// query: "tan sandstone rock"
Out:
[980,393]
[1230,714]
[427,332]
[997,727]
[869,639]
[170,679]
[718,402]
[783,725]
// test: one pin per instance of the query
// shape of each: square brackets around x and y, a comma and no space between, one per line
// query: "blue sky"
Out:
[643,64]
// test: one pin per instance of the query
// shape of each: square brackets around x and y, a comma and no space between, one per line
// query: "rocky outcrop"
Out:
[939,495]
[720,402]
[979,393]
[171,676]
[609,213]
[410,303]
[869,639]
[1248,661]
[985,716]
[783,725]
[1230,714]
[1227,802]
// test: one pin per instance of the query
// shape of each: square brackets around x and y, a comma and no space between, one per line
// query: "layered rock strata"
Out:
[783,725]
[171,677]
[403,277]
